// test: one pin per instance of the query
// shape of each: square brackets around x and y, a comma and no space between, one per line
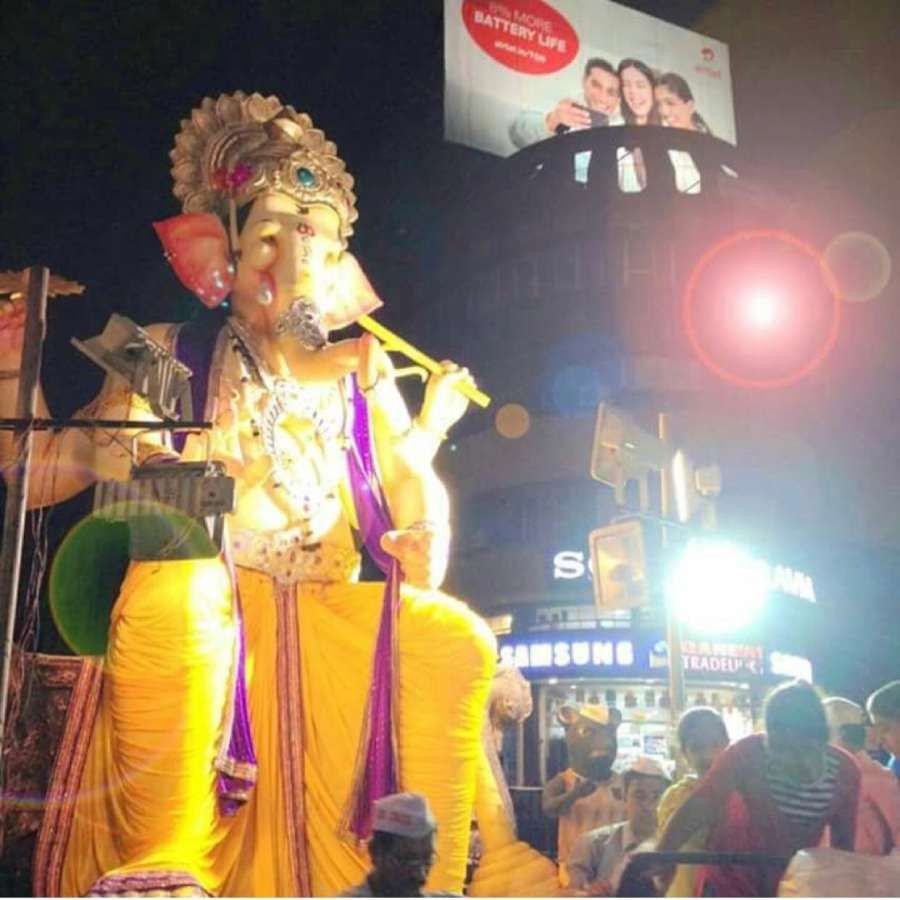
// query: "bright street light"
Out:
[716,587]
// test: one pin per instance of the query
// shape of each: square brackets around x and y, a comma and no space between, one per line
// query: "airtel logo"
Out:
[708,54]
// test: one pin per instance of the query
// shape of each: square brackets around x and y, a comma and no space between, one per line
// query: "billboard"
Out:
[520,71]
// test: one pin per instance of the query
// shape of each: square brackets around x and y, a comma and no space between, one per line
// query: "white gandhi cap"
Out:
[405,814]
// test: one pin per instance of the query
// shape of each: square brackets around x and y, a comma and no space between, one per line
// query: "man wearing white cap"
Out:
[600,856]
[878,816]
[401,849]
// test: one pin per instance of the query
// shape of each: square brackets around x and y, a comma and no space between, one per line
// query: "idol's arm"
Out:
[405,448]
[66,462]
[416,497]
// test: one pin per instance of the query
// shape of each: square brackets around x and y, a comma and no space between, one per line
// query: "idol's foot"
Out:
[516,870]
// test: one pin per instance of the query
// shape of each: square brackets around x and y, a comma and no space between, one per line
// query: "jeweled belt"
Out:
[284,556]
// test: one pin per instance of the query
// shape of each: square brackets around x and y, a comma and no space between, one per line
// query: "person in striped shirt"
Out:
[772,793]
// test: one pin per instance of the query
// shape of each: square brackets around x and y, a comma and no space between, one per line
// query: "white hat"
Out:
[643,765]
[405,814]
[840,711]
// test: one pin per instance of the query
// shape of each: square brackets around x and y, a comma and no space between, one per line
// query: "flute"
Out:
[396,343]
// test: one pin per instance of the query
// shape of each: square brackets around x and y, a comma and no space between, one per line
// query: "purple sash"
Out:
[376,773]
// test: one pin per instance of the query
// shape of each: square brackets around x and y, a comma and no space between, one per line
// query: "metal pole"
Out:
[677,694]
[17,481]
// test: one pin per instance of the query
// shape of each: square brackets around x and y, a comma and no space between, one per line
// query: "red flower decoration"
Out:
[231,182]
[239,176]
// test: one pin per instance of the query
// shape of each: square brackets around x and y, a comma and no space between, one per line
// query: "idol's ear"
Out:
[351,296]
[567,716]
[196,246]
[615,718]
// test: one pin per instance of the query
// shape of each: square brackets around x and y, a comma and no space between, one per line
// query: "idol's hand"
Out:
[444,404]
[422,551]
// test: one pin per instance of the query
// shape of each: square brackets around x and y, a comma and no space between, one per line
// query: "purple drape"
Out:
[237,766]
[376,772]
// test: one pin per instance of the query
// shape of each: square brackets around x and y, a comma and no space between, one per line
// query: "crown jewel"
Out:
[240,145]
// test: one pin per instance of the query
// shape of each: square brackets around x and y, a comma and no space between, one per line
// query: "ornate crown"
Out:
[238,146]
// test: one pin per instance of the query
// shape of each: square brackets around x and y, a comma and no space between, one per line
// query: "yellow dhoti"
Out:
[145,813]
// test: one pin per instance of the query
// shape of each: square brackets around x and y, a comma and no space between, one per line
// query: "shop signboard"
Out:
[720,659]
[627,653]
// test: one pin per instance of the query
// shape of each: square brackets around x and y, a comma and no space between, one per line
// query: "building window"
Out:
[632,170]
[687,175]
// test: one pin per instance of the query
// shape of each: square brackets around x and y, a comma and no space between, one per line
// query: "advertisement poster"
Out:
[520,71]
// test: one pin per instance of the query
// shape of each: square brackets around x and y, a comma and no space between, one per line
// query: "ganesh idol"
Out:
[252,706]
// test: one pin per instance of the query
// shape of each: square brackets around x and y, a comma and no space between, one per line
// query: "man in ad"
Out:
[599,105]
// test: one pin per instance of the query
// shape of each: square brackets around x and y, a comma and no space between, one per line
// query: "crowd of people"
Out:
[809,779]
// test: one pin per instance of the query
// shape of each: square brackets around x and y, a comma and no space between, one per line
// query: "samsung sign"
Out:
[573,565]
[626,653]
[565,653]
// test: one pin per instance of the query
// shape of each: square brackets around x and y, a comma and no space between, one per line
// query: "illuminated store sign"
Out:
[713,658]
[790,666]
[572,565]
[625,653]
[568,653]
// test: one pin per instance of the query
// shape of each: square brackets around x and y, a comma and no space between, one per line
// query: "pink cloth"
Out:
[878,817]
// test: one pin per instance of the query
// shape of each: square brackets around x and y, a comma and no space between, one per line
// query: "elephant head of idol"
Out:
[591,739]
[268,207]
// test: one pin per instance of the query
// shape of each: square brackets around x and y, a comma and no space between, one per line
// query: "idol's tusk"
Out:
[396,343]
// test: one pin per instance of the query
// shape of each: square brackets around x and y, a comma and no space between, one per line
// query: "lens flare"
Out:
[807,299]
[861,265]
[92,560]
[512,421]
[761,308]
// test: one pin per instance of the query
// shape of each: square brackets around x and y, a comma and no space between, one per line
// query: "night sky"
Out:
[93,93]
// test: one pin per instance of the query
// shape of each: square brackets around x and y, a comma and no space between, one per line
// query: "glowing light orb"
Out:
[512,421]
[762,308]
[861,265]
[717,587]
[765,247]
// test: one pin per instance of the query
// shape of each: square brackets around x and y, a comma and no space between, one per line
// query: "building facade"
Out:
[563,289]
